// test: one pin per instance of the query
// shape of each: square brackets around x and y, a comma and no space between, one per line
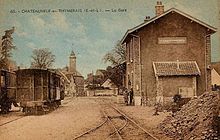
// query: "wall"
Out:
[79,81]
[104,92]
[72,65]
[169,86]
[171,25]
[133,65]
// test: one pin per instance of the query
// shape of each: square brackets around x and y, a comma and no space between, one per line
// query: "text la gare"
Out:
[119,10]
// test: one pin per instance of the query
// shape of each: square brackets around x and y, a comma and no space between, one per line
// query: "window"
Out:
[2,81]
[128,50]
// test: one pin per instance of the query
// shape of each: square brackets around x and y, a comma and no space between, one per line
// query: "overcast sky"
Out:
[89,34]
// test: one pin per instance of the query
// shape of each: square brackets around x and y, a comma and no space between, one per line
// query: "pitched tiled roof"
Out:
[213,29]
[176,68]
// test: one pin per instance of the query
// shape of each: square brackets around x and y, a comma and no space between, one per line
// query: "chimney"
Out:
[147,18]
[159,8]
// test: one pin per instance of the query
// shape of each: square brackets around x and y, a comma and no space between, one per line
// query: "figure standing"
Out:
[131,94]
[126,96]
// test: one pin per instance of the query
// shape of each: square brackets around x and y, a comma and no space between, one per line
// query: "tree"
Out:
[42,58]
[6,48]
[116,74]
[116,56]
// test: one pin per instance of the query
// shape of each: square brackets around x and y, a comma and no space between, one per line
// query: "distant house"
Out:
[117,74]
[106,82]
[216,66]
[165,50]
[75,86]
[101,72]
[215,76]
[89,79]
[94,80]
[110,87]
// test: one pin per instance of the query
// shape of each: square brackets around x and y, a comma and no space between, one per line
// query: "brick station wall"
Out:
[171,25]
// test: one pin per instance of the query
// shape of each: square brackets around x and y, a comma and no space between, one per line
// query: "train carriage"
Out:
[8,90]
[38,90]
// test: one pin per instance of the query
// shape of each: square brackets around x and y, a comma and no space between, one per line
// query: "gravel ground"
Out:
[144,116]
[62,124]
[73,117]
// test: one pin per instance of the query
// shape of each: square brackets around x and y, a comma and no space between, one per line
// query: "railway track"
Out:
[20,117]
[13,120]
[133,130]
[117,126]
[101,131]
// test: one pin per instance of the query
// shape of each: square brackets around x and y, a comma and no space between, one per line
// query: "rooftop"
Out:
[129,31]
[72,54]
[216,66]
[176,68]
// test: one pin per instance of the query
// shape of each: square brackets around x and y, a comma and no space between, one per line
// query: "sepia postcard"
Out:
[110,69]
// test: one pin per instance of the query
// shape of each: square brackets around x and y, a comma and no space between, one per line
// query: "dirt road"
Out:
[74,116]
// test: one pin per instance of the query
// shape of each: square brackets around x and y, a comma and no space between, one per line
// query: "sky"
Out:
[90,34]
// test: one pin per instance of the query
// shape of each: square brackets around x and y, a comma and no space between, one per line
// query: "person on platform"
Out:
[126,96]
[131,95]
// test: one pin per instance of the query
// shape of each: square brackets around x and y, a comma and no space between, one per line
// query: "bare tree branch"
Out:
[42,58]
[116,55]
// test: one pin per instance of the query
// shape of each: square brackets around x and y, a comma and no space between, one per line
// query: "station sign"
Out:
[172,40]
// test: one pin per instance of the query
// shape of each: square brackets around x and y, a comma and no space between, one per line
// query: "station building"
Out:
[166,55]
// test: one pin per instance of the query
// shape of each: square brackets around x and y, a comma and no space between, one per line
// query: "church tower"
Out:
[72,63]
